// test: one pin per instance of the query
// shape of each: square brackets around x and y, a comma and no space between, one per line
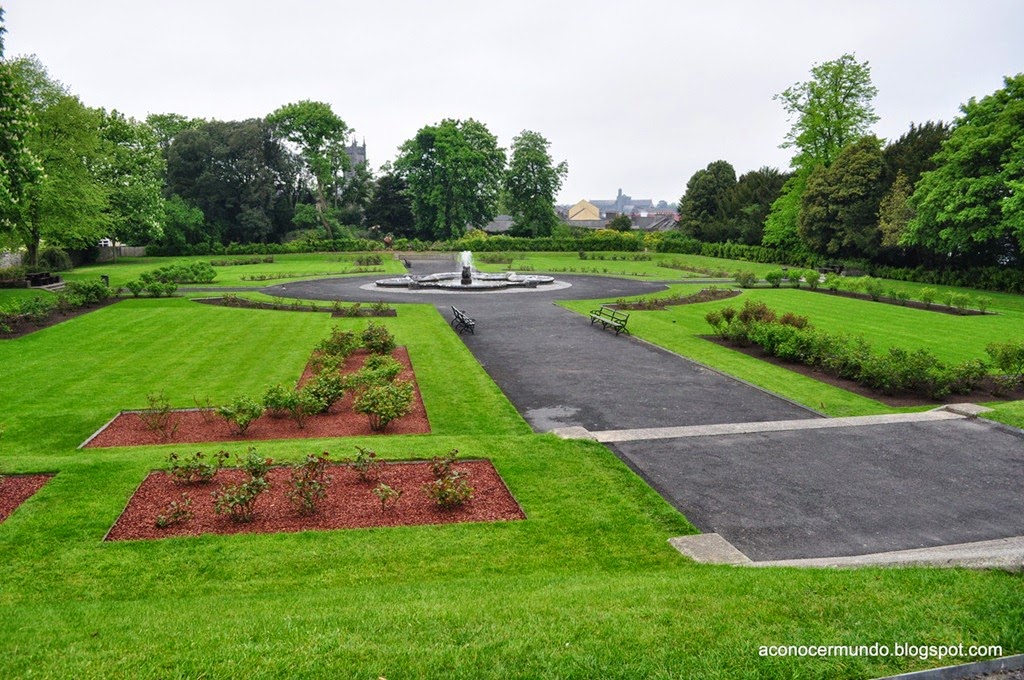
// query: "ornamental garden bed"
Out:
[349,503]
[985,392]
[659,304]
[913,304]
[25,326]
[16,489]
[203,425]
[355,310]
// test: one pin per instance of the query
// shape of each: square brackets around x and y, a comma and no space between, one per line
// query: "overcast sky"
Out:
[634,95]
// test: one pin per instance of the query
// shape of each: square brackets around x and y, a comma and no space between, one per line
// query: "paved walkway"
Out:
[766,477]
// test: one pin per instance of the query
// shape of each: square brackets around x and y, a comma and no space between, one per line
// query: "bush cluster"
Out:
[792,338]
[260,259]
[450,488]
[39,310]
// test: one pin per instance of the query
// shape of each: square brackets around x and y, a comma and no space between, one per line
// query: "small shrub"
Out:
[378,339]
[365,464]
[1008,359]
[872,287]
[380,308]
[983,302]
[813,278]
[449,491]
[195,469]
[339,344]
[385,402]
[256,465]
[794,320]
[306,404]
[175,512]
[241,413]
[745,279]
[963,378]
[793,276]
[774,277]
[901,295]
[279,401]
[441,466]
[833,281]
[961,301]
[238,501]
[378,370]
[54,260]
[135,287]
[158,416]
[326,388]
[386,495]
[927,296]
[206,409]
[756,311]
[308,483]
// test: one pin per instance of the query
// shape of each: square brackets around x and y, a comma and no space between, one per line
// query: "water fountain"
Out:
[467,279]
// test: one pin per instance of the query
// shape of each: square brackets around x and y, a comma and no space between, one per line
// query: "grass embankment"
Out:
[585,587]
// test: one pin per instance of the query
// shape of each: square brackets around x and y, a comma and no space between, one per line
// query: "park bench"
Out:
[461,322]
[39,279]
[609,317]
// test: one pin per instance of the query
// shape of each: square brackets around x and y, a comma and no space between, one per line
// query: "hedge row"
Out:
[791,338]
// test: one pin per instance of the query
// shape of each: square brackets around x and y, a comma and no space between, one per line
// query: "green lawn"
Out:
[586,587]
[284,268]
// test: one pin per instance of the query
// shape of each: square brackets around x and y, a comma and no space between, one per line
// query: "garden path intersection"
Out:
[768,481]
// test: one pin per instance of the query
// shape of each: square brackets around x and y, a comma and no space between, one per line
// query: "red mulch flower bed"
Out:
[194,426]
[16,489]
[350,502]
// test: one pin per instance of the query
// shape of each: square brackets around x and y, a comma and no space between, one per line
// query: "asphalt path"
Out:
[774,495]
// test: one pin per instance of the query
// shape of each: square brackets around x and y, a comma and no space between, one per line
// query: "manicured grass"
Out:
[587,586]
[284,268]
[883,325]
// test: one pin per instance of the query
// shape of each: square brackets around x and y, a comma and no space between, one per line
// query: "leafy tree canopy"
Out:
[971,207]
[531,182]
[838,214]
[701,209]
[454,171]
[831,110]
[320,136]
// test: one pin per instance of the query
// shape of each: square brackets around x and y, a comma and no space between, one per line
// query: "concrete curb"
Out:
[1003,553]
[613,436]
[967,670]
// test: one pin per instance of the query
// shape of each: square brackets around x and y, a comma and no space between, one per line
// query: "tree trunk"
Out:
[321,209]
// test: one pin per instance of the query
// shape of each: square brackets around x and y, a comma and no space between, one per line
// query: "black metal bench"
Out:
[609,317]
[461,322]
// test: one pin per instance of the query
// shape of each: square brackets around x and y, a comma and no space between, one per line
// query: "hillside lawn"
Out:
[586,587]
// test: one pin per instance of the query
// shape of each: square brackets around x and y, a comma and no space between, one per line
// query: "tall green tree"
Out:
[702,208]
[828,112]
[839,210]
[69,206]
[454,171]
[970,208]
[320,136]
[747,204]
[390,207]
[239,175]
[20,169]
[132,168]
[531,183]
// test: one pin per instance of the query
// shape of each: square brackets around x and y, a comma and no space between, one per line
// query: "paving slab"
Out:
[846,491]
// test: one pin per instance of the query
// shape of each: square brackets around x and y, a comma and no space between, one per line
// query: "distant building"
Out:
[356,153]
[584,210]
[623,205]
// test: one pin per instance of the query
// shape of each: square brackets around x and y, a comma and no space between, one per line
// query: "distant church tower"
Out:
[356,152]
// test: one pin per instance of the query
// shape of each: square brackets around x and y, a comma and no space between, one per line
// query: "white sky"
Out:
[637,95]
